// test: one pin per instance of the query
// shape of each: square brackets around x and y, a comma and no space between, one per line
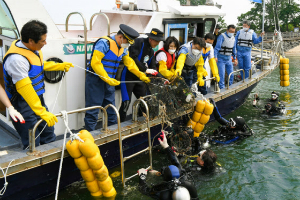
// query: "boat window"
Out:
[1,51]
[7,25]
[54,76]
[209,25]
[179,34]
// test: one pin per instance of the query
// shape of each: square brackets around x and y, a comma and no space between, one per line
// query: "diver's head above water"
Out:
[274,95]
[237,122]
[207,159]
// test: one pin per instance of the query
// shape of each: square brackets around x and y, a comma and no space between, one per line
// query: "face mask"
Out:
[208,45]
[125,45]
[196,52]
[245,29]
[171,51]
[229,34]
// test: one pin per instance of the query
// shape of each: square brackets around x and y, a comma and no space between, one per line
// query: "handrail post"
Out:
[234,72]
[85,32]
[107,19]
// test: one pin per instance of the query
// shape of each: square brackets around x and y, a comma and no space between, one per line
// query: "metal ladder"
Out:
[121,138]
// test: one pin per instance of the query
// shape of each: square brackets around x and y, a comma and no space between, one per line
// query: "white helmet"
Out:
[181,193]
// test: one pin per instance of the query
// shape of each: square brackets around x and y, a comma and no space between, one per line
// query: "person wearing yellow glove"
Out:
[165,57]
[106,56]
[208,53]
[189,54]
[24,81]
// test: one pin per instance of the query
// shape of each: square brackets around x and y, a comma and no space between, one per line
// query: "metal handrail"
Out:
[135,107]
[234,72]
[107,19]
[32,149]
[85,32]
[252,66]
[9,29]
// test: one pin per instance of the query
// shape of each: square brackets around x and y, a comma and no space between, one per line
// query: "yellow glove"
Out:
[53,66]
[163,69]
[25,89]
[214,69]
[200,77]
[131,66]
[97,66]
[180,63]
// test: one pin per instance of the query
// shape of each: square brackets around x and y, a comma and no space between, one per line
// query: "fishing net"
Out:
[171,99]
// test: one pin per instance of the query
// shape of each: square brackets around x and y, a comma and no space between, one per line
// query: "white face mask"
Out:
[208,45]
[171,51]
[124,45]
[196,52]
[245,29]
[229,34]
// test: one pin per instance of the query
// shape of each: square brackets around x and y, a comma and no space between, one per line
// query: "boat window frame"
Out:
[16,31]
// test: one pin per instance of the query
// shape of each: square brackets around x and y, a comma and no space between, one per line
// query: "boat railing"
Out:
[107,19]
[8,29]
[85,32]
[33,151]
[121,138]
[254,66]
[233,73]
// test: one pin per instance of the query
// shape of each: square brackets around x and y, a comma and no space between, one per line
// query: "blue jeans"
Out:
[31,119]
[244,59]
[224,62]
[188,77]
[98,93]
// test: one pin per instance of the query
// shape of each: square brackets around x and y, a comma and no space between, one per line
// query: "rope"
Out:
[72,137]
[102,77]
[2,191]
[194,89]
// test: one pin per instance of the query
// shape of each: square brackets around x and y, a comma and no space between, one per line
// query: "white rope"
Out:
[2,191]
[105,77]
[72,137]
[194,89]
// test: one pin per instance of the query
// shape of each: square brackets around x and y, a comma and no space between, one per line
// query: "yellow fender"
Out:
[284,60]
[284,66]
[92,186]
[106,185]
[97,194]
[191,123]
[110,193]
[95,162]
[72,148]
[196,116]
[101,174]
[284,72]
[209,108]
[204,118]
[196,134]
[200,106]
[87,175]
[284,77]
[284,83]
[85,134]
[81,163]
[88,148]
[199,127]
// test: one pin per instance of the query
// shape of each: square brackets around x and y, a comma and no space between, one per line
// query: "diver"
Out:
[230,130]
[273,106]
[176,185]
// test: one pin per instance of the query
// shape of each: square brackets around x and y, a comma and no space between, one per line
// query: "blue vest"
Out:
[35,73]
[112,58]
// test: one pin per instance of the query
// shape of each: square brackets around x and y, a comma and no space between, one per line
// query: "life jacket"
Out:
[112,58]
[170,58]
[245,38]
[227,45]
[35,73]
[205,53]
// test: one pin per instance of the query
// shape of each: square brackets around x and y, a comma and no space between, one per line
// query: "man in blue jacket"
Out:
[244,39]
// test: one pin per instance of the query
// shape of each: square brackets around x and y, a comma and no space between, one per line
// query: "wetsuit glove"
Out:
[97,66]
[131,66]
[164,142]
[25,89]
[15,115]
[53,66]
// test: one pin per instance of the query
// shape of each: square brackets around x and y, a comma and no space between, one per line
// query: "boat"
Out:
[33,173]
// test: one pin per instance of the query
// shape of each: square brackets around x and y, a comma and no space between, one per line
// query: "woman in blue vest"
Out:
[142,53]
[23,69]
[106,56]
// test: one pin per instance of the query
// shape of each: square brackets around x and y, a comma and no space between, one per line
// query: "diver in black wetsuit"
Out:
[176,185]
[229,131]
[273,106]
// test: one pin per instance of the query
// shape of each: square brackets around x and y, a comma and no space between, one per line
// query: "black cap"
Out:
[129,33]
[274,92]
[156,34]
[218,26]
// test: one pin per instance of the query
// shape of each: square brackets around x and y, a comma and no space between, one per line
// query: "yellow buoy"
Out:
[92,186]
[85,134]
[95,162]
[196,116]
[199,127]
[209,108]
[97,194]
[284,77]
[284,60]
[284,83]
[105,185]
[72,148]
[110,193]
[88,148]
[88,175]
[191,123]
[81,163]
[284,66]
[196,134]
[200,106]
[101,174]
[204,119]
[284,72]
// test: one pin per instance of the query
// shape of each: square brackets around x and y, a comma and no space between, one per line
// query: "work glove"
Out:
[163,69]
[204,72]
[200,81]
[144,78]
[178,72]
[217,77]
[15,115]
[112,82]
[142,173]
[53,66]
[131,66]
[25,89]
[152,72]
[163,142]
[180,64]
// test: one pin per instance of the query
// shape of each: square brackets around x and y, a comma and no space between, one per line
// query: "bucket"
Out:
[131,6]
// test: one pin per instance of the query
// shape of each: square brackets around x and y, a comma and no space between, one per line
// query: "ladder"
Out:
[121,138]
